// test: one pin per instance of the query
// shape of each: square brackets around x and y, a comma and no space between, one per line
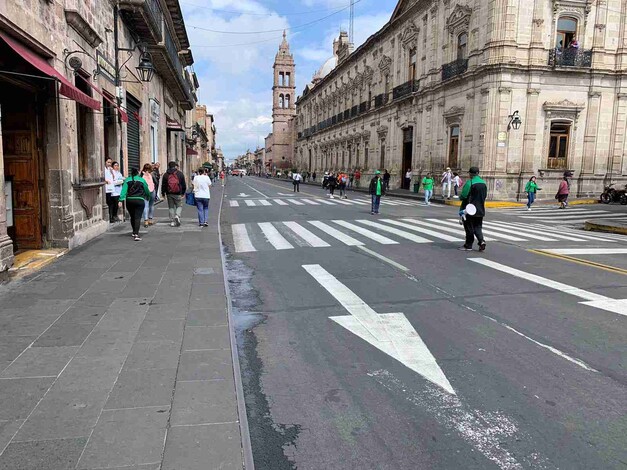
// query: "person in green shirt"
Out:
[377,189]
[427,184]
[474,192]
[531,189]
[135,192]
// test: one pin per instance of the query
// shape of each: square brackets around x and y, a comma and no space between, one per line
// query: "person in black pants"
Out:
[474,192]
[135,192]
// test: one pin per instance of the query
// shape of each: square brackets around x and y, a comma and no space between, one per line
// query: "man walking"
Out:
[173,187]
[296,177]
[156,178]
[377,189]
[408,176]
[473,193]
[386,180]
[447,178]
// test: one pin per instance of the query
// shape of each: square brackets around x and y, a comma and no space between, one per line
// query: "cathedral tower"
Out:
[284,104]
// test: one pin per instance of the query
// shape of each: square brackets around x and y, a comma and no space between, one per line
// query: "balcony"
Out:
[453,69]
[405,89]
[381,99]
[570,58]
[363,107]
[146,19]
[347,114]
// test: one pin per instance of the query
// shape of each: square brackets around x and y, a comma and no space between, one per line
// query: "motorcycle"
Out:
[611,194]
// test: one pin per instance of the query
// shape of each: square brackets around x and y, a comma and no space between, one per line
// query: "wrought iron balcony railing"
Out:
[570,58]
[453,69]
[405,89]
[380,100]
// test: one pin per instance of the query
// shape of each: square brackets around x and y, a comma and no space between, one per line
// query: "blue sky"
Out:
[235,70]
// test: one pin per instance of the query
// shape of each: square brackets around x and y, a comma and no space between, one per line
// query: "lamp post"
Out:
[514,121]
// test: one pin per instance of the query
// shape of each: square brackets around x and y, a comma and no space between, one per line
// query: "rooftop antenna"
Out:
[352,22]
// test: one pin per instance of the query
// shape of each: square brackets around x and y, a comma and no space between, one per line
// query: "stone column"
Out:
[590,133]
[530,136]
[6,244]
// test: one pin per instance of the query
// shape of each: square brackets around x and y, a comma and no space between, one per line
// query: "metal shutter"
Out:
[132,133]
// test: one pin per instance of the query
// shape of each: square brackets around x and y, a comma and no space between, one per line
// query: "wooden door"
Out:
[21,166]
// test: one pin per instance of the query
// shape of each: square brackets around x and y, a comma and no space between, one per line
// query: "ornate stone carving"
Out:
[505,90]
[459,20]
[533,91]
[470,95]
[382,131]
[564,109]
[384,64]
[453,115]
[594,94]
[410,35]
[538,21]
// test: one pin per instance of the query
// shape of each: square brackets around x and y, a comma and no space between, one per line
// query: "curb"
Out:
[606,227]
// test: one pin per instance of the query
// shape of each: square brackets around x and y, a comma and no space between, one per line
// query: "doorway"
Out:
[408,145]
[453,147]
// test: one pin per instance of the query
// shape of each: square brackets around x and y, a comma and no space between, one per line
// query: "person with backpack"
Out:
[473,196]
[376,190]
[173,187]
[135,192]
[564,190]
[342,182]
[427,185]
[531,189]
[332,184]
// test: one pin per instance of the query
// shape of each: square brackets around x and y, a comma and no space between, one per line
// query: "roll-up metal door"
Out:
[132,132]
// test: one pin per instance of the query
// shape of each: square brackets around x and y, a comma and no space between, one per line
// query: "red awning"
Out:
[191,151]
[66,89]
[123,114]
[173,125]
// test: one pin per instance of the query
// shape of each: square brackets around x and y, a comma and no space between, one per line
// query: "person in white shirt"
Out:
[408,176]
[457,183]
[447,178]
[202,193]
[297,178]
[113,187]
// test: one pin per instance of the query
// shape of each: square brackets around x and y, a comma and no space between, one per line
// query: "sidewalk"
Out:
[119,355]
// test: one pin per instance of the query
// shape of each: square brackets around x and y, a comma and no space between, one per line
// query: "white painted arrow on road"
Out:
[243,195]
[391,333]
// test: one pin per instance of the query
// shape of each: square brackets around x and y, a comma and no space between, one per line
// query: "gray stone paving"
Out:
[118,356]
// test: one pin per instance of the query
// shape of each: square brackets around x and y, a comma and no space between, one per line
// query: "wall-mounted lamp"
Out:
[514,121]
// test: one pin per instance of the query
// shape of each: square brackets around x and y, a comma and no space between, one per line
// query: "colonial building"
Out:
[203,136]
[515,88]
[81,82]
[280,143]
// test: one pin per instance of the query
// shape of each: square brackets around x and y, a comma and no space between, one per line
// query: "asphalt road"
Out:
[401,352]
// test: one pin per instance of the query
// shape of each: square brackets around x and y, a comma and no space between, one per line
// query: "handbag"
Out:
[190,199]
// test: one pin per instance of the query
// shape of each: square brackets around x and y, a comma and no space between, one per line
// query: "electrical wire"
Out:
[258,14]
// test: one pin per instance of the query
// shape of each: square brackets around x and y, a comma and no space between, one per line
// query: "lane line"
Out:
[426,231]
[395,231]
[366,233]
[333,232]
[255,189]
[274,237]
[583,262]
[250,203]
[280,202]
[234,203]
[241,239]
[587,251]
[384,259]
[314,240]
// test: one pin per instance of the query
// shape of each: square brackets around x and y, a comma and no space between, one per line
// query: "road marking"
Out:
[280,202]
[250,203]
[489,232]
[264,202]
[395,231]
[243,195]
[234,203]
[367,233]
[426,231]
[384,259]
[434,224]
[391,333]
[324,201]
[583,262]
[587,251]
[295,202]
[310,202]
[561,236]
[241,239]
[593,300]
[274,237]
[339,201]
[314,240]
[527,233]
[341,236]
[256,190]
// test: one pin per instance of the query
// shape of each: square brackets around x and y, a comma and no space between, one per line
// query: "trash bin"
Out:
[416,187]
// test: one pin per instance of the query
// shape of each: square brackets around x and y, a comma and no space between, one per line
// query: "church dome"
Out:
[326,68]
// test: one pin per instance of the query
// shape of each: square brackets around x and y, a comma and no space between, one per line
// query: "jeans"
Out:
[135,208]
[531,197]
[202,205]
[149,207]
[376,201]
[456,189]
[446,190]
[342,189]
[474,228]
[428,194]
[296,186]
[112,203]
[175,205]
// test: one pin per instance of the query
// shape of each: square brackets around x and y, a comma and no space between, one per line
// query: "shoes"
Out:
[172,224]
[177,220]
[464,248]
[146,224]
[372,213]
[137,238]
[206,224]
[482,246]
[201,225]
[150,222]
[528,208]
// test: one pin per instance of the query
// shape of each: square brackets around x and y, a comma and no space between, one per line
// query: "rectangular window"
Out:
[85,133]
[412,65]
[559,140]
[453,152]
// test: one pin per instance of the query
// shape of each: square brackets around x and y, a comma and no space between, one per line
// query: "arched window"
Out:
[566,32]
[462,46]
[281,101]
[287,101]
[287,79]
[281,78]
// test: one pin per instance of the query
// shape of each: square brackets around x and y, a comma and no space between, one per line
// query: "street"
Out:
[371,342]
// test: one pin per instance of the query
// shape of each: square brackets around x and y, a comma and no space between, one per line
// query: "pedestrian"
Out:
[386,180]
[342,183]
[376,190]
[447,178]
[173,187]
[457,184]
[202,194]
[531,189]
[313,176]
[222,177]
[351,179]
[112,201]
[296,179]
[564,190]
[357,178]
[149,209]
[473,193]
[135,192]
[332,184]
[408,175]
[427,185]
[156,177]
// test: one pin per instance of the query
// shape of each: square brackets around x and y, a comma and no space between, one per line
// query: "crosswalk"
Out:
[571,216]
[357,201]
[264,236]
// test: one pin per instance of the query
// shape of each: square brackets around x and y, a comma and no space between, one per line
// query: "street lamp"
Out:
[514,121]
[145,69]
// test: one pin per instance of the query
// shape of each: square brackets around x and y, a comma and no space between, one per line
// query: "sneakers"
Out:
[206,224]
[172,224]
[528,208]
[177,220]
[136,237]
[482,246]
[464,248]
[372,213]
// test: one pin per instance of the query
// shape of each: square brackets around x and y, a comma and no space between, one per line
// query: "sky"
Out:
[235,69]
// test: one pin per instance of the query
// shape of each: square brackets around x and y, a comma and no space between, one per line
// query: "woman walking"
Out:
[427,185]
[202,193]
[149,207]
[135,192]
[564,190]
[332,184]
[531,189]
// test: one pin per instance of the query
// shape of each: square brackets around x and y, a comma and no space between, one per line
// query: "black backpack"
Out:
[135,189]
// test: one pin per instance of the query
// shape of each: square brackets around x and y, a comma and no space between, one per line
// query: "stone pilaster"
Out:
[590,133]
[6,244]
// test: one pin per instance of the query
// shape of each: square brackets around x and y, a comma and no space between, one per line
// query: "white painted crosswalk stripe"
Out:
[310,202]
[314,240]
[265,202]
[324,201]
[234,203]
[295,202]
[456,230]
[426,231]
[280,202]
[241,239]
[340,201]
[250,202]
[526,229]
[508,229]
[333,232]
[367,233]
[395,231]
[274,237]
[561,235]
[489,232]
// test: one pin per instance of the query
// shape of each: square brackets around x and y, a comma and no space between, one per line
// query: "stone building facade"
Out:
[440,83]
[65,109]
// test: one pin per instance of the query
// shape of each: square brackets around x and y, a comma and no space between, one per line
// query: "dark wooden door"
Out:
[21,166]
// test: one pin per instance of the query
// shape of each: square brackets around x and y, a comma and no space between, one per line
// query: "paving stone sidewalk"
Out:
[118,356]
